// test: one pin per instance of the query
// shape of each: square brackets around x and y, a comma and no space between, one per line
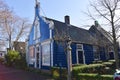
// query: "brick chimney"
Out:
[67,19]
[96,23]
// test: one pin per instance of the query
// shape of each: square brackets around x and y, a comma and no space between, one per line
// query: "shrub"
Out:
[112,60]
[11,57]
[97,62]
[59,73]
[86,76]
[92,68]
[21,63]
[75,65]
[107,63]
[113,66]
[14,59]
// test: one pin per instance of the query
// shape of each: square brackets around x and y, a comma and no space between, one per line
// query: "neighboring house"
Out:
[20,47]
[103,48]
[46,43]
[2,54]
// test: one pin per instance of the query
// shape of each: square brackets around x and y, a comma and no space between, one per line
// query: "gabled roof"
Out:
[102,36]
[78,35]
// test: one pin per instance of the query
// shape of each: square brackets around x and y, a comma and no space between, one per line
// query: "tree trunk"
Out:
[10,45]
[115,46]
[116,56]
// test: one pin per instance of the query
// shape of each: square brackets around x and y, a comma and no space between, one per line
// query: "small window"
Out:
[37,29]
[80,46]
[96,53]
[0,54]
[110,49]
[31,53]
[37,48]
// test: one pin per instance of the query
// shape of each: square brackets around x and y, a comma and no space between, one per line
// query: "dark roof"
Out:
[78,35]
[102,36]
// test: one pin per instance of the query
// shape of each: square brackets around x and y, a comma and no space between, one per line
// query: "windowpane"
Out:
[96,53]
[31,49]
[80,46]
[36,29]
[46,54]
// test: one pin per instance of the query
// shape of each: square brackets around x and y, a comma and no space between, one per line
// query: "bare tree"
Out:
[12,27]
[109,10]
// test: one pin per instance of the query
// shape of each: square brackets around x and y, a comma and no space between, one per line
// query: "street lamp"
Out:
[69,59]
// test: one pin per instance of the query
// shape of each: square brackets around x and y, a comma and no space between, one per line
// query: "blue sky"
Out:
[55,9]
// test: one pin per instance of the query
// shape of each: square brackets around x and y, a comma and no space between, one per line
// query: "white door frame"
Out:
[80,49]
[37,46]
[39,56]
[78,58]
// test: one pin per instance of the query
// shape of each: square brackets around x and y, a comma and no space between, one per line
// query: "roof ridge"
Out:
[65,23]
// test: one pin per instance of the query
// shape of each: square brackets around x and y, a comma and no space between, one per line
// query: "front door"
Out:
[37,60]
[37,56]
[80,57]
[111,55]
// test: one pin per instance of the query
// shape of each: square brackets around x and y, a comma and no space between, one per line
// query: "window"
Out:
[34,32]
[46,54]
[110,49]
[96,53]
[31,49]
[80,46]
[37,29]
[0,54]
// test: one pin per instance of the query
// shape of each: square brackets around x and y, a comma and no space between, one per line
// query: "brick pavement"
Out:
[7,73]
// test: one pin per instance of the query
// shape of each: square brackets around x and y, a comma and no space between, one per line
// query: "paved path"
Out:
[14,74]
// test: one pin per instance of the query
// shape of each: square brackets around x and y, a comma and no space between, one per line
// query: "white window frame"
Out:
[81,46]
[110,49]
[33,55]
[95,50]
[37,51]
[37,29]
[46,43]
[31,59]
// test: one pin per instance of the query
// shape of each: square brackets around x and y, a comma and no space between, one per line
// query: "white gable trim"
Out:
[46,42]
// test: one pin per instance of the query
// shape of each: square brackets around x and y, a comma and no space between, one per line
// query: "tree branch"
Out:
[101,13]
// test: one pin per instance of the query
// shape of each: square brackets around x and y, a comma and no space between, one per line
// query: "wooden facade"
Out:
[44,48]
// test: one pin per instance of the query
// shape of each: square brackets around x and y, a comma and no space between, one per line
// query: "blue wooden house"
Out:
[46,43]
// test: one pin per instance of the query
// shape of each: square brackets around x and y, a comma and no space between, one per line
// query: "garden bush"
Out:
[11,57]
[59,73]
[91,68]
[21,63]
[86,76]
[97,62]
[111,60]
[113,66]
[14,59]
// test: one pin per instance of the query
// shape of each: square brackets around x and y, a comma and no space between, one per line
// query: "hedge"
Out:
[79,71]
[86,76]
[59,73]
[14,59]
[92,68]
